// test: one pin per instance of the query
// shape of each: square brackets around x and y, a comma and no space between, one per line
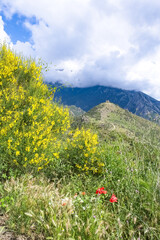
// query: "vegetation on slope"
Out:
[108,117]
[62,182]
[75,111]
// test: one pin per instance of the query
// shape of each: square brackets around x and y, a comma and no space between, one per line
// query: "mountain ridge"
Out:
[136,102]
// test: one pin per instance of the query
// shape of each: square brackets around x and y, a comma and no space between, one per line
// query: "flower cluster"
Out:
[82,200]
[102,191]
[81,150]
[113,198]
[32,125]
[30,122]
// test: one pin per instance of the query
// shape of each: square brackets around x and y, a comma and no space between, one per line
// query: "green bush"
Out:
[34,127]
[81,151]
[30,122]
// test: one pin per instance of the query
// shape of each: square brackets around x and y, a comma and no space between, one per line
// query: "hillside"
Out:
[136,102]
[108,117]
[75,111]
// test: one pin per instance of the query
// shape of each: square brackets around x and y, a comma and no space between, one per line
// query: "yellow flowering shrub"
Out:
[30,122]
[81,149]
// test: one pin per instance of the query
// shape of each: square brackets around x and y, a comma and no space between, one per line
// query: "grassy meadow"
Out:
[63,178]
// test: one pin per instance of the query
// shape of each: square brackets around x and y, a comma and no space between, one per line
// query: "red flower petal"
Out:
[100,191]
[113,198]
[104,192]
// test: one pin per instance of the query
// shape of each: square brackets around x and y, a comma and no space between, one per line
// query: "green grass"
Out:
[132,174]
[55,208]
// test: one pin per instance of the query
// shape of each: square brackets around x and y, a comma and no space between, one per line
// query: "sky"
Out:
[88,42]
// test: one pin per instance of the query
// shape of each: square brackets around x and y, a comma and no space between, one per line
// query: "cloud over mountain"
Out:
[111,43]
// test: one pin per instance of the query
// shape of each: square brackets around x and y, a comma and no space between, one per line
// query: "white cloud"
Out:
[114,42]
[147,73]
[25,48]
[3,35]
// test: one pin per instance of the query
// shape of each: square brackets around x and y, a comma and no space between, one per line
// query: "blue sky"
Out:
[107,42]
[15,28]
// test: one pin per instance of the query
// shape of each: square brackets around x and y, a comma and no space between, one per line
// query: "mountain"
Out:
[109,119]
[86,98]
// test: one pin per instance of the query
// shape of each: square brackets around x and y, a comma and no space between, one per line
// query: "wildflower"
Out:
[86,154]
[27,149]
[56,155]
[113,198]
[66,201]
[101,191]
[17,153]
[83,193]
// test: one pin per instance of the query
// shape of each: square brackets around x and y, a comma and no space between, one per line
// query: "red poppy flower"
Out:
[113,198]
[101,191]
